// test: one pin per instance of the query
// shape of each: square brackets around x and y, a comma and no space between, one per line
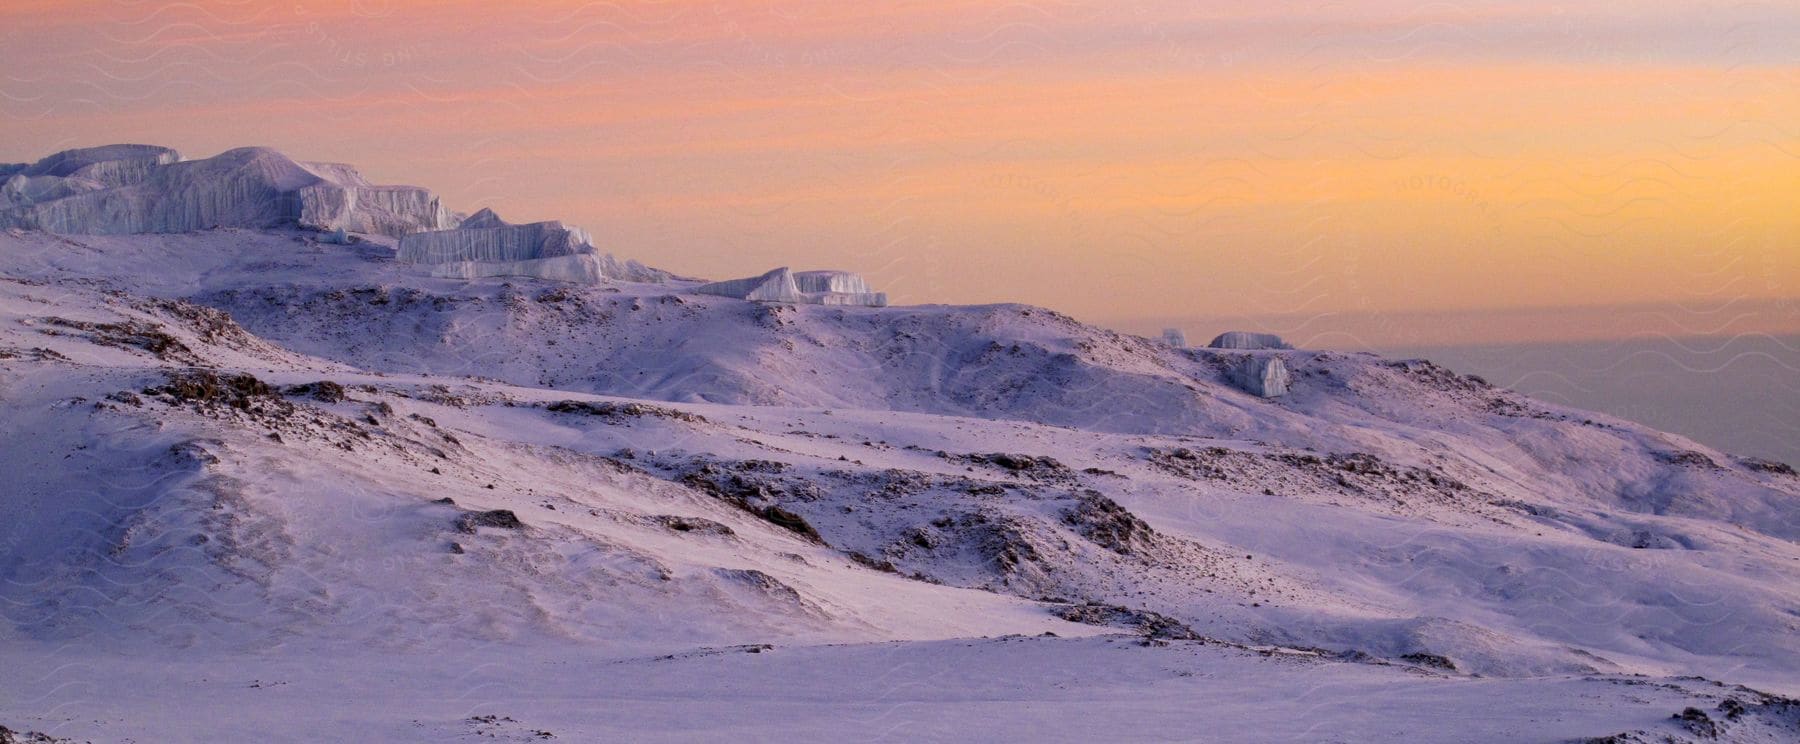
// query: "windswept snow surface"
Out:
[261,486]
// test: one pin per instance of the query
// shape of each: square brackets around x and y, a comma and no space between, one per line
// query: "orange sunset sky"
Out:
[1350,173]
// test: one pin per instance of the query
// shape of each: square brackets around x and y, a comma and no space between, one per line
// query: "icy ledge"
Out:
[804,288]
[122,189]
[487,246]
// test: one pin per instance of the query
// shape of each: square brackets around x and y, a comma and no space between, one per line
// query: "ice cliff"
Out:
[804,287]
[503,243]
[1248,341]
[487,246]
[122,189]
[1261,376]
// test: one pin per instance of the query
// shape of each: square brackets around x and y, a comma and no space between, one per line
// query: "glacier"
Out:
[825,287]
[485,245]
[582,268]
[127,189]
[505,243]
[1246,341]
[1264,376]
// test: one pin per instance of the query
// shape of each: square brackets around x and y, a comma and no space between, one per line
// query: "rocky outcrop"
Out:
[122,189]
[805,288]
[1248,341]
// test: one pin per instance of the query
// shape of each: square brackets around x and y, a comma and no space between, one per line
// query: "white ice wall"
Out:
[1248,341]
[1262,375]
[149,191]
[775,286]
[831,281]
[804,288]
[584,268]
[509,243]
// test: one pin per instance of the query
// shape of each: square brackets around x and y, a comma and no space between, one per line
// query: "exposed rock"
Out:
[324,391]
[501,518]
[205,386]
[1108,525]
[1153,625]
[9,736]
[694,525]
[619,412]
[1430,660]
[753,495]
[1766,466]
[1688,459]
[1038,467]
[131,334]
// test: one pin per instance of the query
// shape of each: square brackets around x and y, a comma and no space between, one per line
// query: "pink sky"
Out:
[1327,168]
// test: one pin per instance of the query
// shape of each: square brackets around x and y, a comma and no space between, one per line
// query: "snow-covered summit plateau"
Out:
[278,441]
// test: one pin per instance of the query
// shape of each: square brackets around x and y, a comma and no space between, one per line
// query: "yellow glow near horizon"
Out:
[1122,162]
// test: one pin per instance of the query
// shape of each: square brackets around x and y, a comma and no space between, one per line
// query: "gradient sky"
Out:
[1371,172]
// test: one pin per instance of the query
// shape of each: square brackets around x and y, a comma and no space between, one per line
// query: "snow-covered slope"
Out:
[254,449]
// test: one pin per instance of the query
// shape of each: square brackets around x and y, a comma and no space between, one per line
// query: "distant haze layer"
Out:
[1118,161]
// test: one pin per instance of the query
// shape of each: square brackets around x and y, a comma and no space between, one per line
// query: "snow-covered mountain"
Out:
[252,437]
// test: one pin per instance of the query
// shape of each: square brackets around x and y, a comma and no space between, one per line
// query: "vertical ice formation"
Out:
[506,243]
[144,189]
[20,190]
[838,288]
[777,285]
[1260,375]
[487,246]
[1248,341]
[1174,337]
[110,165]
[584,268]
[343,198]
[804,287]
